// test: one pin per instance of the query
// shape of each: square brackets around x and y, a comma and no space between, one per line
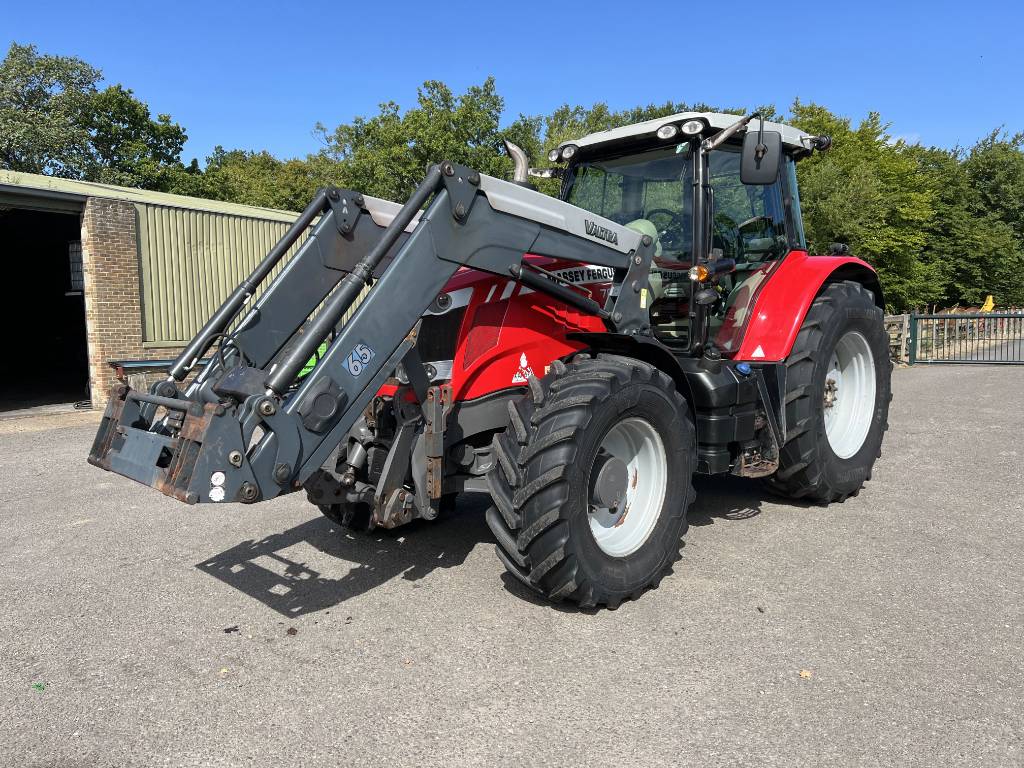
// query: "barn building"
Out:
[99,273]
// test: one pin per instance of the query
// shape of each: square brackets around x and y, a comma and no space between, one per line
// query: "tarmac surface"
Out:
[889,630]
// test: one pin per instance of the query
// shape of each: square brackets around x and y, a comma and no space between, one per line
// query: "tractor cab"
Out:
[664,180]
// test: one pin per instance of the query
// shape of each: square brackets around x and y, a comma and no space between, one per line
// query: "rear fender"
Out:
[784,300]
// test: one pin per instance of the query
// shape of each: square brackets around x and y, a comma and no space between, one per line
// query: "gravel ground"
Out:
[136,631]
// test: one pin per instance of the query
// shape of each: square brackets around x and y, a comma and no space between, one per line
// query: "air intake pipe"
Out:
[521,165]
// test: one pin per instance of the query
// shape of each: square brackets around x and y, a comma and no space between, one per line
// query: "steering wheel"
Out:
[672,234]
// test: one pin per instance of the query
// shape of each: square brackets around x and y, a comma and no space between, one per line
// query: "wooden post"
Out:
[904,333]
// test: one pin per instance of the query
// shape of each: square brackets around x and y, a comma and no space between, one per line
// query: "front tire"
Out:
[592,480]
[838,388]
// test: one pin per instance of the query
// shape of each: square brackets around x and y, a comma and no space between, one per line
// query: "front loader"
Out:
[576,359]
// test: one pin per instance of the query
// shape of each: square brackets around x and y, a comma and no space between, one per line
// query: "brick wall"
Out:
[113,306]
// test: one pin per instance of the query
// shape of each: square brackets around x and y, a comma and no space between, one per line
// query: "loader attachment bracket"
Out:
[462,184]
[347,206]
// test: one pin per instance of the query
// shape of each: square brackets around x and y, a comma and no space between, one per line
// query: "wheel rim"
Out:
[849,396]
[622,530]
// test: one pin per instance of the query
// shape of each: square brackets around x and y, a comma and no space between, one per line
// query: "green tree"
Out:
[969,251]
[386,155]
[55,120]
[995,167]
[259,178]
[127,146]
[995,170]
[863,192]
[42,101]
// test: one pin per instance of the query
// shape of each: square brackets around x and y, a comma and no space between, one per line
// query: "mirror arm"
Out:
[709,145]
[761,148]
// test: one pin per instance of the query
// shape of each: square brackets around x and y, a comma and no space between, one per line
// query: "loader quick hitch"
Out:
[207,444]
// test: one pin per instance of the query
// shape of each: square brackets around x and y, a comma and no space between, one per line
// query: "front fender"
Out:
[784,300]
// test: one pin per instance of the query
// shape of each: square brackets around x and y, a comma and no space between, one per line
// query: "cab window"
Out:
[748,222]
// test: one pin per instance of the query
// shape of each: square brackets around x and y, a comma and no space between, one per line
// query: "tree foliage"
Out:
[54,119]
[941,226]
[386,155]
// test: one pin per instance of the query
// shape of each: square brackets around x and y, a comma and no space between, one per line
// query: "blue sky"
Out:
[259,75]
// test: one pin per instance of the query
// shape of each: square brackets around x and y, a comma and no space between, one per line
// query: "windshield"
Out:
[655,185]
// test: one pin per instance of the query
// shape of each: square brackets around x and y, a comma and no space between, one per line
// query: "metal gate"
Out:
[991,338]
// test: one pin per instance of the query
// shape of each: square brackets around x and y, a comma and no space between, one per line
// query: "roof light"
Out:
[568,151]
[668,131]
[553,155]
[692,127]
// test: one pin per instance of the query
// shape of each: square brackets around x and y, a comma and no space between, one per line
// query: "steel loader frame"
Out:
[248,428]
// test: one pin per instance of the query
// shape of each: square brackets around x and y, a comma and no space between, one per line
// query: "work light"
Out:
[668,131]
[692,127]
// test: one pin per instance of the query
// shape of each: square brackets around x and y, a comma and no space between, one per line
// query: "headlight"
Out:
[568,152]
[668,131]
[553,155]
[693,127]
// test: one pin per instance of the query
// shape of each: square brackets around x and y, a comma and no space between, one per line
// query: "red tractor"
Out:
[576,359]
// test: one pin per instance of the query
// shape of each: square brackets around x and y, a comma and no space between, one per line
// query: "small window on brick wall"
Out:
[75,260]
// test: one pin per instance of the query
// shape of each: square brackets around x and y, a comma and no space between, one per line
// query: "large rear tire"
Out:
[592,480]
[838,388]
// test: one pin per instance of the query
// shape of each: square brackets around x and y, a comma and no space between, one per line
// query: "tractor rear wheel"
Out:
[592,480]
[837,397]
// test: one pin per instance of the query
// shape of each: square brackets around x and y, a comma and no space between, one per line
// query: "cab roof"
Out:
[791,137]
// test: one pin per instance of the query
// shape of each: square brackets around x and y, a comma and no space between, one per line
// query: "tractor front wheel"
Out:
[592,480]
[837,397]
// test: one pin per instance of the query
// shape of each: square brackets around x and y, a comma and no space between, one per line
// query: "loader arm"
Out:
[247,429]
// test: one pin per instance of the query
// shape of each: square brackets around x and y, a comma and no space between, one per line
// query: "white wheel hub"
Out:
[849,396]
[621,530]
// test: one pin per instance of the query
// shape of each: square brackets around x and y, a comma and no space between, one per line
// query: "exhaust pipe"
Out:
[521,170]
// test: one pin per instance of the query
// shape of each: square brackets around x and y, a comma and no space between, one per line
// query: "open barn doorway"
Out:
[42,310]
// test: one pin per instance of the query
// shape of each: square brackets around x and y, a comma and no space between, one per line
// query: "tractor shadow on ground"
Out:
[278,572]
[293,572]
[726,498]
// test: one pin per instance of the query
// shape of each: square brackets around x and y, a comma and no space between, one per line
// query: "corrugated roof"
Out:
[33,181]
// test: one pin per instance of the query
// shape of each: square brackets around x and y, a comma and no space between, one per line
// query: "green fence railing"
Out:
[990,338]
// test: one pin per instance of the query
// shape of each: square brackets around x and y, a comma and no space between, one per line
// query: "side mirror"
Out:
[761,158]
